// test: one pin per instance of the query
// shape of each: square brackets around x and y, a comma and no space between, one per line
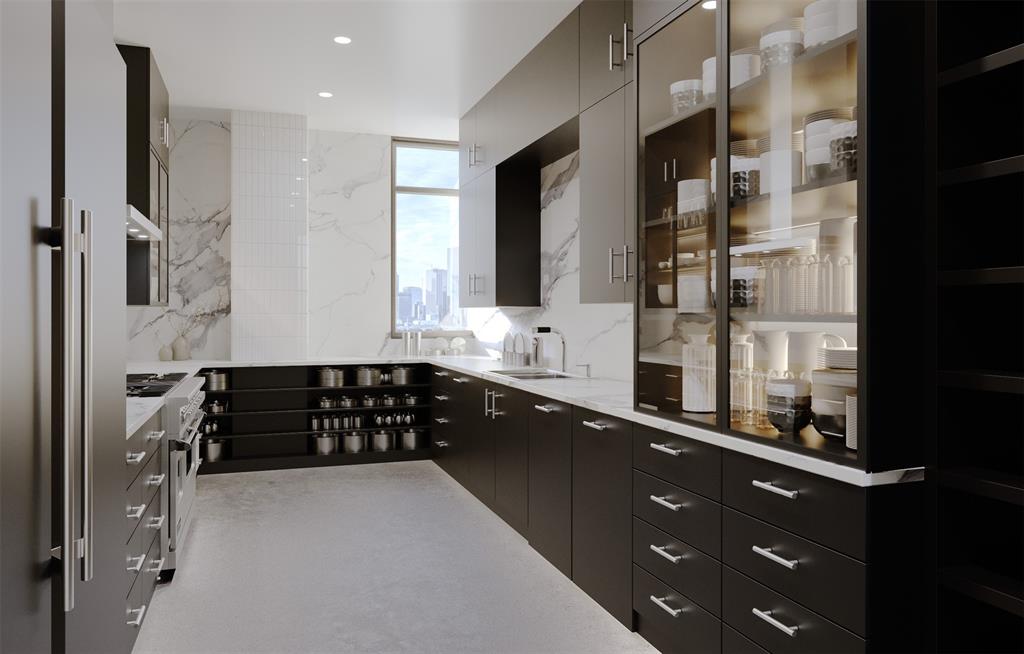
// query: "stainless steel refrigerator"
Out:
[62,328]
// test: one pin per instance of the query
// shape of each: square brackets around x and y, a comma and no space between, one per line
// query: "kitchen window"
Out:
[425,210]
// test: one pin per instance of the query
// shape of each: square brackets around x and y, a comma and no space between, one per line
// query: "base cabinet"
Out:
[550,482]
[509,423]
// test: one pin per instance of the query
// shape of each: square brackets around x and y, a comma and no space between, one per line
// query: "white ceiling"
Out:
[414,66]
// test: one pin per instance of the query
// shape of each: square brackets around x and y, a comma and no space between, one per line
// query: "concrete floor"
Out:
[392,557]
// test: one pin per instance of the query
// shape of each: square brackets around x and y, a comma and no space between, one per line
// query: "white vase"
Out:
[699,375]
[181,349]
[166,353]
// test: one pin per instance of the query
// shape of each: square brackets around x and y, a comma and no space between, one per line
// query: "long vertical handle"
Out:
[626,54]
[87,396]
[625,263]
[68,270]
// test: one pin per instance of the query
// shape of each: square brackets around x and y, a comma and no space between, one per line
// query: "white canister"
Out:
[771,350]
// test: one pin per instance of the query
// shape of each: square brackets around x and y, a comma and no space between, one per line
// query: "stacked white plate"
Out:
[744,65]
[838,358]
[817,133]
[851,421]
[821,22]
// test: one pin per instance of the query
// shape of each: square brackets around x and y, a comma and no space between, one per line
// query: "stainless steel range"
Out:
[183,418]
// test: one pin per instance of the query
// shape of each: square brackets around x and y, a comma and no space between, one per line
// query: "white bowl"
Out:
[817,21]
[820,7]
[782,36]
[820,35]
[665,293]
[822,126]
[817,156]
[778,160]
[816,141]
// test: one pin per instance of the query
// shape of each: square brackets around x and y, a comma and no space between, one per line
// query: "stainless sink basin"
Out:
[533,374]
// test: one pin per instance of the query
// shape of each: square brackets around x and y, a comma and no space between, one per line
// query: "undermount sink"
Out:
[533,374]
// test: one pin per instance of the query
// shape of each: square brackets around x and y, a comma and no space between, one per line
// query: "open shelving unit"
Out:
[976,442]
[267,423]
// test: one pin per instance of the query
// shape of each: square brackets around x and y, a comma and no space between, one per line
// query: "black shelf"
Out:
[982,65]
[273,462]
[315,431]
[230,414]
[377,387]
[985,586]
[825,182]
[981,276]
[982,380]
[678,118]
[983,170]
[987,483]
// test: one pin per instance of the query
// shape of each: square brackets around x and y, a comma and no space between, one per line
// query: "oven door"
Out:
[184,467]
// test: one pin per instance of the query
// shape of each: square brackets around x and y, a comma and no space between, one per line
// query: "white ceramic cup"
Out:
[802,353]
[771,349]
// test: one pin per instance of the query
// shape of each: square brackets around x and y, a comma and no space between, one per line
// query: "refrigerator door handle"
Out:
[87,396]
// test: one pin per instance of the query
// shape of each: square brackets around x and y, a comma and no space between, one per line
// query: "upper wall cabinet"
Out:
[148,181]
[606,48]
[648,12]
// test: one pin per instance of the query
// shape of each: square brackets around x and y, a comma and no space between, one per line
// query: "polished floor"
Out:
[382,558]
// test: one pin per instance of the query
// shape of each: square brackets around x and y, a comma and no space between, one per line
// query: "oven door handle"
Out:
[179,445]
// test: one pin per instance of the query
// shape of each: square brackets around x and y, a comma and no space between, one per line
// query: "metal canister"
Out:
[401,375]
[346,402]
[327,402]
[413,439]
[388,400]
[314,423]
[358,422]
[366,376]
[336,422]
[383,441]
[353,442]
[326,443]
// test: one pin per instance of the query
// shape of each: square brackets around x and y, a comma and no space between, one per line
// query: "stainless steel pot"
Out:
[413,439]
[389,400]
[215,449]
[326,443]
[216,380]
[354,442]
[331,377]
[383,441]
[327,403]
[346,402]
[336,422]
[401,375]
[366,376]
[216,407]
[371,401]
[357,421]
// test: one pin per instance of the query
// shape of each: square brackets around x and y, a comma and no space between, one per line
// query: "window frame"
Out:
[397,142]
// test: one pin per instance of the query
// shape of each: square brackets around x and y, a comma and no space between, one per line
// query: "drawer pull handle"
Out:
[543,408]
[594,425]
[158,566]
[661,552]
[460,380]
[139,613]
[767,617]
[660,601]
[441,398]
[666,449]
[440,374]
[157,522]
[135,512]
[772,488]
[441,443]
[672,399]
[767,553]
[136,562]
[671,376]
[441,421]
[135,458]
[156,480]
[156,435]
[665,503]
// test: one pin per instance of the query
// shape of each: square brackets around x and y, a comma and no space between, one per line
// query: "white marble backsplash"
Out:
[199,301]
[600,335]
[349,244]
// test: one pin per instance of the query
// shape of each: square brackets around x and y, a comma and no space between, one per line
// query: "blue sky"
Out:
[426,225]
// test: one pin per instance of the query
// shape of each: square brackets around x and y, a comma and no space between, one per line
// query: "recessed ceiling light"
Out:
[325,94]
[143,236]
[342,40]
[709,4]
[305,159]
[298,179]
[133,229]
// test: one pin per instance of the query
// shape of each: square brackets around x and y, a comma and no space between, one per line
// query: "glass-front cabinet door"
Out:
[676,321]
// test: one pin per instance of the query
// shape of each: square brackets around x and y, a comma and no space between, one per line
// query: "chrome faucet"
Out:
[584,365]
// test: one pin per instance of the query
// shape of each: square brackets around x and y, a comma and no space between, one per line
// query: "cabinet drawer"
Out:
[686,463]
[140,446]
[733,642]
[673,623]
[794,630]
[685,568]
[135,557]
[145,515]
[832,584]
[828,512]
[151,571]
[135,608]
[683,514]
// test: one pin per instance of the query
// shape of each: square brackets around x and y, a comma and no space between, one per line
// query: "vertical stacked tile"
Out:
[269,236]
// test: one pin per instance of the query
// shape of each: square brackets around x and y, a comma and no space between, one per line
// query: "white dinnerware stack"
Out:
[818,139]
[686,94]
[821,22]
[840,358]
[692,203]
[781,43]
[843,148]
[776,160]
[744,65]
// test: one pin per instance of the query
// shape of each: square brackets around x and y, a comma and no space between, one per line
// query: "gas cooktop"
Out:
[151,384]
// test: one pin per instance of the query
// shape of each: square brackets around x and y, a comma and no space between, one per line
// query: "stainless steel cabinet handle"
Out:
[611,265]
[69,281]
[665,503]
[441,398]
[135,512]
[441,443]
[440,373]
[673,167]
[441,421]
[671,376]
[772,488]
[157,522]
[767,553]
[660,601]
[594,425]
[666,171]
[157,566]
[87,397]
[494,405]
[666,449]
[487,402]
[135,458]
[626,275]
[672,399]
[139,613]
[767,617]
[626,54]
[543,408]
[135,562]
[156,480]
[674,558]
[469,155]
[156,435]
[460,380]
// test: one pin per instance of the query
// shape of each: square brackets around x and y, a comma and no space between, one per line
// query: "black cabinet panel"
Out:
[831,583]
[696,520]
[601,514]
[733,642]
[671,621]
[828,512]
[509,422]
[550,481]
[793,629]
[685,568]
[687,463]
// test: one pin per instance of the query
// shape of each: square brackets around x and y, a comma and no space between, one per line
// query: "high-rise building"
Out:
[437,293]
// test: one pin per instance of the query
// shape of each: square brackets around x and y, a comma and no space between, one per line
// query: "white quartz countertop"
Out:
[139,410]
[608,396]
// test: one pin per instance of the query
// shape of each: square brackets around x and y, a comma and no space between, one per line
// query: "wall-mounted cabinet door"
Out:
[648,12]
[604,49]
[479,251]
[159,113]
[467,141]
[603,200]
[467,242]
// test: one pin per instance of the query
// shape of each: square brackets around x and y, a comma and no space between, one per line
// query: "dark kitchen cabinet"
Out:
[550,481]
[607,199]
[472,425]
[601,510]
[606,48]
[509,422]
[147,151]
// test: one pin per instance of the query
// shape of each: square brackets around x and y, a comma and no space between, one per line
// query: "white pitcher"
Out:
[803,354]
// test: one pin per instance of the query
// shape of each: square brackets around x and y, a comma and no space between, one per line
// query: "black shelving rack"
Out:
[266,420]
[976,369]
